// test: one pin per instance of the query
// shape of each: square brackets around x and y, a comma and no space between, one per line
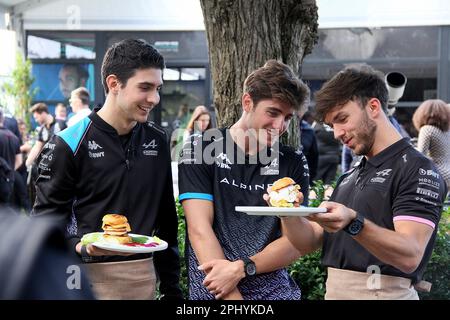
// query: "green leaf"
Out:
[91,238]
[141,240]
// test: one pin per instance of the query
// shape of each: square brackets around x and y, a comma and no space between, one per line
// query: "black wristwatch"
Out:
[84,255]
[355,226]
[249,267]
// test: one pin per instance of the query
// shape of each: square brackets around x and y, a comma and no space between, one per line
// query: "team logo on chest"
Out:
[381,176]
[149,148]
[223,162]
[93,147]
[271,169]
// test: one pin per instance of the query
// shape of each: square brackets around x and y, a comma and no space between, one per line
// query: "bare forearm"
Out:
[33,154]
[18,161]
[278,254]
[205,245]
[393,248]
[301,234]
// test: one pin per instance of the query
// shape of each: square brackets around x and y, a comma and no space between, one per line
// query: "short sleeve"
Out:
[195,176]
[421,194]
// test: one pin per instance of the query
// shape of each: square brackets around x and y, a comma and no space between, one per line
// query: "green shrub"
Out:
[437,271]
[310,275]
[181,248]
[307,271]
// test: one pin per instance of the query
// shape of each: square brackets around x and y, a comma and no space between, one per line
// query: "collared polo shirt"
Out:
[232,179]
[397,184]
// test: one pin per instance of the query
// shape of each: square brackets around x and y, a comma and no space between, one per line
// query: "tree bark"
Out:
[243,35]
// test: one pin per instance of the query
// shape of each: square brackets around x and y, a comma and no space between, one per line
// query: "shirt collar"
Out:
[102,124]
[389,152]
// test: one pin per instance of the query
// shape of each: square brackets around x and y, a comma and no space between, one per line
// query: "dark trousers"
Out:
[20,197]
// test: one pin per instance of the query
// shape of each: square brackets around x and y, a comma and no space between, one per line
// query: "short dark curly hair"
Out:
[276,80]
[355,83]
[125,57]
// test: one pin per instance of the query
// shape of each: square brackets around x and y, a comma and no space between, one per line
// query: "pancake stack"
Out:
[284,192]
[116,228]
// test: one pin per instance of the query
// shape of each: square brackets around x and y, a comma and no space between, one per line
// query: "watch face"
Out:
[355,227]
[250,269]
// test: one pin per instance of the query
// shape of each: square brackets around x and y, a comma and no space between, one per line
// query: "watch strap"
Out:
[249,264]
[356,225]
[84,254]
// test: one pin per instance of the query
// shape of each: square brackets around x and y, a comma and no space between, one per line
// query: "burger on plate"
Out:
[116,228]
[284,192]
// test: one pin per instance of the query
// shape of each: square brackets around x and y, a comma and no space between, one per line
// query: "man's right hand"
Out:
[96,252]
[298,200]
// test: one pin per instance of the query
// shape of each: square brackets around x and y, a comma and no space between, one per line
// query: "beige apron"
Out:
[352,285]
[125,280]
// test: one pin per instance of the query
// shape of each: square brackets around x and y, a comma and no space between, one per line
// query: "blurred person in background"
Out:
[61,112]
[309,145]
[432,121]
[49,126]
[199,122]
[79,101]
[329,153]
[10,161]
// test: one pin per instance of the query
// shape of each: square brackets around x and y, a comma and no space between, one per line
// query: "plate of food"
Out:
[282,197]
[116,237]
[279,211]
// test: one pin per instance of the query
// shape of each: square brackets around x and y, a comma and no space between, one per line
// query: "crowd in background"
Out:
[20,146]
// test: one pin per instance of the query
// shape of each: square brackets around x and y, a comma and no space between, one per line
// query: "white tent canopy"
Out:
[187,15]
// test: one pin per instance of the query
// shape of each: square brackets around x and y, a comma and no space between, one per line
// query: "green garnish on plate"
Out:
[91,238]
[141,240]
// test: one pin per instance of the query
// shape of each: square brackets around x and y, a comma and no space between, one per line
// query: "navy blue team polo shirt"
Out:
[397,184]
[234,179]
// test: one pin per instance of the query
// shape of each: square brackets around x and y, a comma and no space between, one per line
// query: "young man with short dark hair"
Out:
[233,255]
[379,231]
[114,161]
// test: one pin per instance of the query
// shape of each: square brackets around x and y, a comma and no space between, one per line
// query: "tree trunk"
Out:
[244,34]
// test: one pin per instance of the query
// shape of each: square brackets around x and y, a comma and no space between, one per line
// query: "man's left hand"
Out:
[336,218]
[222,276]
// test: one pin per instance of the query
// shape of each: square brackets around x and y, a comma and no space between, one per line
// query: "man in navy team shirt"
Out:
[380,228]
[232,255]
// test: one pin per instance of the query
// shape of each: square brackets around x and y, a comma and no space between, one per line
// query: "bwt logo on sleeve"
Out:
[431,173]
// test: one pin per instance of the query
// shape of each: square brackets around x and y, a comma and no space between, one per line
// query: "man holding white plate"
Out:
[116,162]
[232,255]
[380,228]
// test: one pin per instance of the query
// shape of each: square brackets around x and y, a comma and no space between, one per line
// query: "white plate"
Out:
[275,211]
[129,249]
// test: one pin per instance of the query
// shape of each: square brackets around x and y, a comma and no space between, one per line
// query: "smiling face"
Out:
[268,120]
[140,95]
[353,127]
